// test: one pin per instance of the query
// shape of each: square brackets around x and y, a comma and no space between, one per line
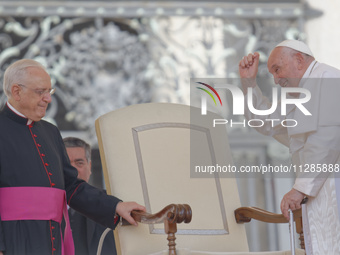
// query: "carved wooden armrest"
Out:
[245,214]
[170,216]
[172,213]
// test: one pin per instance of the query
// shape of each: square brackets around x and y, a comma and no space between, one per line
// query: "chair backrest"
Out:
[147,152]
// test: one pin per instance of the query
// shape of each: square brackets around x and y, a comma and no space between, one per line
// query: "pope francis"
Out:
[314,139]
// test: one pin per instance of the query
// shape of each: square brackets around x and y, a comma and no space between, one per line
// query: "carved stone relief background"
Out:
[96,65]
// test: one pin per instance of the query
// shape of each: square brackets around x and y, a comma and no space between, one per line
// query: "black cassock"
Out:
[34,155]
[86,235]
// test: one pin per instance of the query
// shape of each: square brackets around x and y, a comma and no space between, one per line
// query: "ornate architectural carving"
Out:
[107,55]
[96,65]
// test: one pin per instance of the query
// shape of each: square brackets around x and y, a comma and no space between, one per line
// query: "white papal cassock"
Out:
[315,148]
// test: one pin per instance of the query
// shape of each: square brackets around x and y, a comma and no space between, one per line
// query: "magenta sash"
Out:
[37,203]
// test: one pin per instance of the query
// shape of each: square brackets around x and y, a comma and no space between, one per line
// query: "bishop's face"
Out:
[34,95]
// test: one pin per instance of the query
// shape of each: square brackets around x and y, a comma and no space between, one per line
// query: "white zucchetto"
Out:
[296,45]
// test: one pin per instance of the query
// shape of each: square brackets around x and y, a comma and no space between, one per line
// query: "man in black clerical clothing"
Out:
[86,233]
[36,177]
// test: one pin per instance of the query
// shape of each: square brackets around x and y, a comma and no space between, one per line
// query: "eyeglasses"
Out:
[40,92]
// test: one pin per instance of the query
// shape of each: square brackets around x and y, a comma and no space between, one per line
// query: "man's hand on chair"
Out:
[124,209]
[292,200]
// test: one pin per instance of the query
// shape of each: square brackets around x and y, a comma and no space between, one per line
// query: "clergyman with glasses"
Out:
[36,177]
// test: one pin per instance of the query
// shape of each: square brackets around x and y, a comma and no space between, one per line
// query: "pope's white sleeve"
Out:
[271,122]
[319,158]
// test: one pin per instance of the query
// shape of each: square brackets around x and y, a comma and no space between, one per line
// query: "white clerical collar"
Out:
[309,69]
[19,113]
[307,73]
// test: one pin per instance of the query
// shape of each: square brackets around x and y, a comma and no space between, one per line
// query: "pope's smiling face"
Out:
[283,64]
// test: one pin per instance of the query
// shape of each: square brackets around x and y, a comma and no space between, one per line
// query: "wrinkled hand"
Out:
[124,209]
[248,65]
[248,68]
[292,200]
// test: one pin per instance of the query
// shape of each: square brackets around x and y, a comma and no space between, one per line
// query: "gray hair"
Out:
[16,73]
[74,142]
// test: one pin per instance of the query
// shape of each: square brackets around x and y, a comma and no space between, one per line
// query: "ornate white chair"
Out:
[149,153]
